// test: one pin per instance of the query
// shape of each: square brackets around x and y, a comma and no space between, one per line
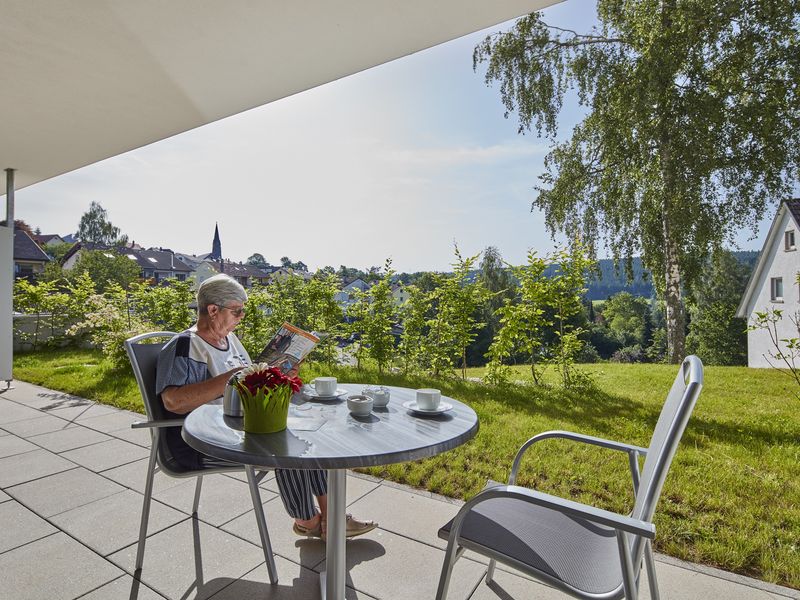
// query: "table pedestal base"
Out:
[332,579]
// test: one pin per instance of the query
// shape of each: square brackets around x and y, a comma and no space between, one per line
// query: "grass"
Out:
[731,500]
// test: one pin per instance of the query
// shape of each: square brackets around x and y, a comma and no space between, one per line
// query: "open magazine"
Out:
[288,347]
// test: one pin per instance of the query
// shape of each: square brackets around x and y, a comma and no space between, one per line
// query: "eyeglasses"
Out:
[236,312]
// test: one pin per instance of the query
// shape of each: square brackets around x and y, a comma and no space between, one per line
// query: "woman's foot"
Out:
[309,528]
[355,527]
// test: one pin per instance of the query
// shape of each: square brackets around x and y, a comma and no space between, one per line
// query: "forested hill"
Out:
[612,280]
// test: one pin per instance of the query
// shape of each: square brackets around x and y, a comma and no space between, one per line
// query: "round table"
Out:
[324,435]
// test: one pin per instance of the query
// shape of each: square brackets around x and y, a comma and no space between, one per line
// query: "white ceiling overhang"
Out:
[86,80]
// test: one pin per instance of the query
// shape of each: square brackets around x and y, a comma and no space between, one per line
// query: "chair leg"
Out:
[450,557]
[255,495]
[490,571]
[650,564]
[628,579]
[148,495]
[197,488]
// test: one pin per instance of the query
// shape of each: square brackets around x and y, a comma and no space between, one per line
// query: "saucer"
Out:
[312,394]
[412,406]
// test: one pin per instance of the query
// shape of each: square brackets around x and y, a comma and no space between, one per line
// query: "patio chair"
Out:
[584,551]
[143,354]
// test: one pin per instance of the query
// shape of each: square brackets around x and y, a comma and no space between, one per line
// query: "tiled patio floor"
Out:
[71,479]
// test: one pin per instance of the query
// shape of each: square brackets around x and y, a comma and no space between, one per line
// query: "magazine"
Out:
[288,347]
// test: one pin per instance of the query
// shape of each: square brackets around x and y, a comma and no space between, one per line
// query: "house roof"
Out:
[89,80]
[78,246]
[242,270]
[158,260]
[25,248]
[751,291]
[43,239]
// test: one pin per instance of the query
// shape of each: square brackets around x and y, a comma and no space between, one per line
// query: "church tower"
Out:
[216,248]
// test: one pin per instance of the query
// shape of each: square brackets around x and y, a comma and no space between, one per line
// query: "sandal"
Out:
[303,531]
[355,527]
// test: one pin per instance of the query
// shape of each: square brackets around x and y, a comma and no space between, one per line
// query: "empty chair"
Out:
[585,551]
[143,354]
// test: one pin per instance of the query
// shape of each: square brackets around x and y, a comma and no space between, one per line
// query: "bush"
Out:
[588,354]
[629,354]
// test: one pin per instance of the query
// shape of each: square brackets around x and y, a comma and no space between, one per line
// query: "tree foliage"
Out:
[715,334]
[692,128]
[105,268]
[94,227]
[257,260]
[373,315]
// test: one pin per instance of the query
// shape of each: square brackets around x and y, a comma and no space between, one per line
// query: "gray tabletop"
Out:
[324,435]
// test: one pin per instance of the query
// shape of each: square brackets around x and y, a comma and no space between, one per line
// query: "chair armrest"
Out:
[562,505]
[633,451]
[157,424]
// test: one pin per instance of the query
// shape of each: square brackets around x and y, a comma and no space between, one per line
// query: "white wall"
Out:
[782,264]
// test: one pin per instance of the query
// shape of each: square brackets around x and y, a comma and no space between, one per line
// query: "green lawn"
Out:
[732,498]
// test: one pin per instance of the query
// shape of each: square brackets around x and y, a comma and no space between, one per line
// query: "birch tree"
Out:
[691,133]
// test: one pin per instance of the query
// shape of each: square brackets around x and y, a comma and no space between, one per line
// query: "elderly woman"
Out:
[193,369]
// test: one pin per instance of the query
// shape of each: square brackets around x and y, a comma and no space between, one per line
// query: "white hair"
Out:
[219,290]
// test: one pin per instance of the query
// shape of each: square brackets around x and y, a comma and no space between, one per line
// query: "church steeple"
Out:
[216,248]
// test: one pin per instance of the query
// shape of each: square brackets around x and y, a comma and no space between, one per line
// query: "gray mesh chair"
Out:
[143,354]
[584,551]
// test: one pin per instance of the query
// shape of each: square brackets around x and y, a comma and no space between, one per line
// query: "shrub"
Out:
[629,354]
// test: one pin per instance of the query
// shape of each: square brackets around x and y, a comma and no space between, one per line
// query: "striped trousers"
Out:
[298,489]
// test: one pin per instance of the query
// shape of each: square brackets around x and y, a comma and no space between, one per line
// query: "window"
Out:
[776,289]
[788,240]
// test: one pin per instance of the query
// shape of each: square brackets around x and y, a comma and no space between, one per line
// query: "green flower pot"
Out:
[267,411]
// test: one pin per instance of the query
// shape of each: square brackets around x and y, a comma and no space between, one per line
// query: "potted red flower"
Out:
[265,393]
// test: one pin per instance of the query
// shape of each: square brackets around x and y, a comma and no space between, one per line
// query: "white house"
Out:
[346,296]
[773,284]
[400,294]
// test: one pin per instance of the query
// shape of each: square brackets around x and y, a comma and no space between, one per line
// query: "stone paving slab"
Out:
[11,445]
[305,551]
[140,437]
[294,582]
[55,567]
[63,491]
[301,550]
[30,466]
[420,518]
[106,455]
[12,411]
[222,498]
[133,476]
[42,424]
[112,421]
[174,556]
[123,588]
[70,407]
[69,438]
[397,568]
[4,497]
[112,523]
[20,526]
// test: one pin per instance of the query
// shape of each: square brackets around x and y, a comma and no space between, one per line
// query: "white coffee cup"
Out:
[325,386]
[359,405]
[428,399]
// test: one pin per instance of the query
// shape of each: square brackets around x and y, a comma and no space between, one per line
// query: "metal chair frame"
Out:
[140,353]
[634,533]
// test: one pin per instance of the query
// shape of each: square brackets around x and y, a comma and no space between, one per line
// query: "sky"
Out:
[398,162]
